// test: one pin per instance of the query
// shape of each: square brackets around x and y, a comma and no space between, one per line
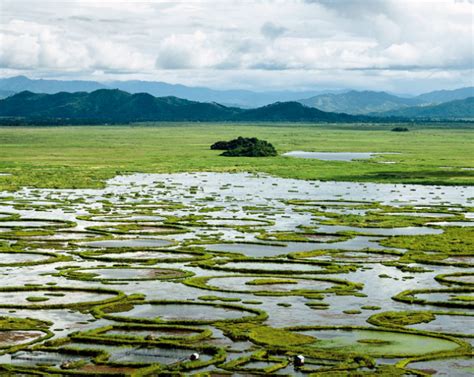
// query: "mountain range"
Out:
[237,98]
[455,110]
[350,102]
[370,102]
[116,106]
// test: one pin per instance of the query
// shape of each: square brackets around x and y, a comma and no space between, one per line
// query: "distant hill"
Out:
[454,110]
[351,102]
[21,83]
[6,93]
[293,112]
[107,106]
[441,96]
[355,102]
[367,102]
[110,106]
[239,98]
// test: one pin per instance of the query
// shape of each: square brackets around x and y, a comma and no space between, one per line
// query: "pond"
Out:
[132,242]
[332,156]
[379,342]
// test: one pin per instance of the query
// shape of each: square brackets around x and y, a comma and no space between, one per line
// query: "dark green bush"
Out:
[245,147]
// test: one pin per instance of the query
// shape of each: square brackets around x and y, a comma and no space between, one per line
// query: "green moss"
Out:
[108,311]
[218,298]
[270,281]
[400,319]
[320,267]
[87,274]
[317,305]
[278,337]
[339,286]
[409,296]
[370,307]
[23,324]
[36,299]
[462,298]
[373,341]
[454,240]
[450,279]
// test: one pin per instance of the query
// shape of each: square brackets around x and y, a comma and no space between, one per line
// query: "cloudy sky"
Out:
[405,46]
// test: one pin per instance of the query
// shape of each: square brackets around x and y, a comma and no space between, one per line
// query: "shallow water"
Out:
[262,250]
[9,258]
[128,243]
[241,283]
[143,255]
[15,337]
[20,298]
[171,312]
[386,342]
[331,156]
[164,356]
[226,202]
[289,267]
[455,367]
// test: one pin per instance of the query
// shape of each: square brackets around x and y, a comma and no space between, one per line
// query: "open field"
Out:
[71,157]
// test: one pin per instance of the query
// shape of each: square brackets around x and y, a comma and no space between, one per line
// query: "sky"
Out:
[401,46]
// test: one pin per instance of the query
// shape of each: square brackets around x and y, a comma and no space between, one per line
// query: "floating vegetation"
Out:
[454,323]
[455,297]
[128,243]
[178,312]
[273,266]
[18,333]
[211,269]
[11,258]
[379,342]
[267,285]
[130,255]
[55,297]
[123,274]
[456,278]
[139,229]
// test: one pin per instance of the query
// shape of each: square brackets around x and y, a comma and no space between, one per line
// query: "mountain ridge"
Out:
[236,97]
[342,101]
[455,110]
[113,105]
[371,102]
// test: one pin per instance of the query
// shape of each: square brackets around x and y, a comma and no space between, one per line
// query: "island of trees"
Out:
[245,147]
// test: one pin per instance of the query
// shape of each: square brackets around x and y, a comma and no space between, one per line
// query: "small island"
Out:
[245,147]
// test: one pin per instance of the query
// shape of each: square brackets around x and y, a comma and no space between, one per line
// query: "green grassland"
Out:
[84,156]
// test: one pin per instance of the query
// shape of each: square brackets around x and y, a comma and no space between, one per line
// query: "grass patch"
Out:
[79,157]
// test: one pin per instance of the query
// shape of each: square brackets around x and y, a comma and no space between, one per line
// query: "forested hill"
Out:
[104,106]
[459,109]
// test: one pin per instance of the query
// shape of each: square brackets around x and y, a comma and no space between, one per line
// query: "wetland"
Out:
[131,272]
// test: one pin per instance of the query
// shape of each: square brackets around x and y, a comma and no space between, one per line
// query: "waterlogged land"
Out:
[134,274]
[83,157]
[246,270]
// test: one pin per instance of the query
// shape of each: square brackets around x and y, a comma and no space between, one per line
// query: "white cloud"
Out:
[196,50]
[272,31]
[234,43]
